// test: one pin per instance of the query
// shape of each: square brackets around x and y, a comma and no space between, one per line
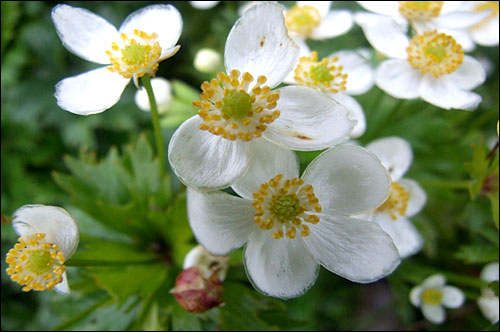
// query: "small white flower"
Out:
[207,60]
[291,225]
[48,237]
[204,4]
[431,66]
[162,90]
[315,20]
[238,109]
[407,198]
[206,263]
[145,38]
[450,17]
[433,294]
[488,301]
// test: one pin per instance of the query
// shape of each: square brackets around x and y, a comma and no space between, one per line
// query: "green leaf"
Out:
[185,92]
[183,320]
[480,254]
[494,207]
[178,232]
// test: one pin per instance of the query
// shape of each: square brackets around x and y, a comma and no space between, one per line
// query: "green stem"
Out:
[146,82]
[445,184]
[105,300]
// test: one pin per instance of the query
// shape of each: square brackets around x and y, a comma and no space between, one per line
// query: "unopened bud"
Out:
[163,95]
[207,61]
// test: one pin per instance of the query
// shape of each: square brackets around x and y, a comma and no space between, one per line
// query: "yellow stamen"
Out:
[302,20]
[324,75]
[432,296]
[420,10]
[397,203]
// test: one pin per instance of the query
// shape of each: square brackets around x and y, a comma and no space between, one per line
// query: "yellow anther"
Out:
[435,53]
[231,109]
[321,75]
[432,296]
[397,203]
[420,10]
[302,20]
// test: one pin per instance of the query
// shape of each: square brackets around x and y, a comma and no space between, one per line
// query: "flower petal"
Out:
[91,92]
[489,273]
[489,307]
[384,34]
[358,250]
[443,93]
[280,268]
[203,4]
[395,154]
[334,24]
[415,294]
[259,44]
[390,8]
[348,180]
[323,7]
[220,222]
[309,120]
[398,78]
[453,297]
[165,20]
[268,161]
[203,160]
[434,281]
[63,286]
[469,75]
[418,198]
[304,51]
[355,112]
[459,19]
[84,33]
[56,223]
[487,33]
[361,75]
[434,313]
[405,236]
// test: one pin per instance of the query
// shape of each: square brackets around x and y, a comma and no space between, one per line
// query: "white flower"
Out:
[163,95]
[340,75]
[450,17]
[485,32]
[48,237]
[431,66]
[315,20]
[237,111]
[145,38]
[407,198]
[488,301]
[206,263]
[207,60]
[290,225]
[204,4]
[433,294]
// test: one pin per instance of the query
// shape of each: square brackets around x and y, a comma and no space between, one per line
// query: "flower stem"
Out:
[146,82]
[102,302]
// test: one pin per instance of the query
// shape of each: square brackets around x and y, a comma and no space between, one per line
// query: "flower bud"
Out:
[207,61]
[163,94]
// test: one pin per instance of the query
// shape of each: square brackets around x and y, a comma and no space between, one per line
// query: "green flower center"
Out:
[321,73]
[236,104]
[134,54]
[437,52]
[432,296]
[39,261]
[286,207]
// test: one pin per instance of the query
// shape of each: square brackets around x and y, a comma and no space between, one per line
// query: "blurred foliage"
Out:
[133,224]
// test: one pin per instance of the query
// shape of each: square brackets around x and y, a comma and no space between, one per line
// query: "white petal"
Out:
[384,34]
[415,294]
[398,78]
[334,24]
[390,8]
[304,51]
[206,161]
[280,268]
[169,52]
[453,297]
[405,236]
[469,75]
[459,19]
[395,154]
[444,94]
[91,92]
[203,4]
[63,286]
[490,272]
[268,160]
[360,74]
[163,95]
[84,33]
[56,223]
[434,281]
[355,112]
[348,180]
[489,307]
[358,250]
[309,120]
[259,44]
[434,313]
[165,20]
[486,34]
[220,222]
[322,6]
[418,198]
